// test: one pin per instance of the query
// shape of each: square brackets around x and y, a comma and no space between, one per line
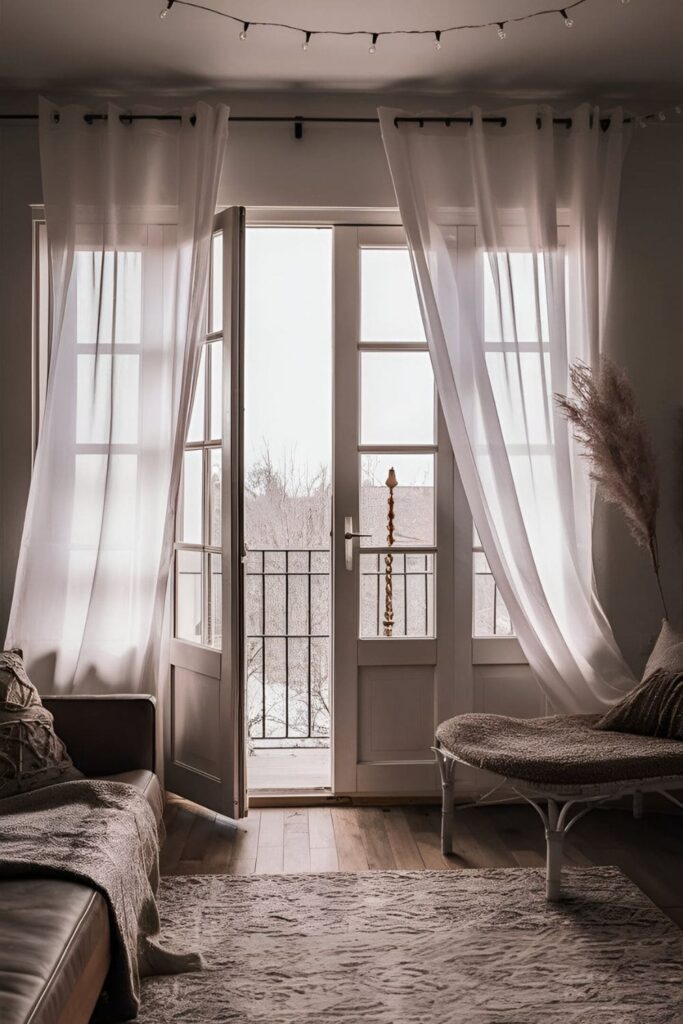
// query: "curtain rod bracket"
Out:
[298,127]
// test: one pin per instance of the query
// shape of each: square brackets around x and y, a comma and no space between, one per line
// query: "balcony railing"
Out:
[288,658]
[288,634]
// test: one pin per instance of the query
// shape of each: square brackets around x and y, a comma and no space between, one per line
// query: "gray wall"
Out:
[345,166]
[646,337]
[19,187]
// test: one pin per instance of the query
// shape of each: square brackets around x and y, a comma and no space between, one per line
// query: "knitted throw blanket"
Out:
[103,834]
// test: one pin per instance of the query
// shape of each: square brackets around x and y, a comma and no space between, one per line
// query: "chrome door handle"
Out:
[349,535]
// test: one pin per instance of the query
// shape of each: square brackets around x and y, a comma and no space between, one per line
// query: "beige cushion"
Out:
[31,755]
[667,653]
[654,708]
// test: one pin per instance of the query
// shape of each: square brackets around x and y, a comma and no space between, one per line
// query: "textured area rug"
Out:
[402,947]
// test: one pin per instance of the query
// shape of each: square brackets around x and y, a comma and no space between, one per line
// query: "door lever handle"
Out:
[349,536]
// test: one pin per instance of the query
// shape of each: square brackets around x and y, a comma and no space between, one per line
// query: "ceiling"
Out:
[614,49]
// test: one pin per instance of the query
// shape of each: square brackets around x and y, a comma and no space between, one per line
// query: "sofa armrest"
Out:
[106,733]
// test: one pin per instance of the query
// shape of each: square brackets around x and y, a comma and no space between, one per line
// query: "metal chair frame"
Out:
[559,814]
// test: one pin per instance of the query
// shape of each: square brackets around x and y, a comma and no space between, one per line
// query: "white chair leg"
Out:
[554,839]
[637,805]
[446,766]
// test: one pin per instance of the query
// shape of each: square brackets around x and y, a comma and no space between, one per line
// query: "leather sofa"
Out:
[54,934]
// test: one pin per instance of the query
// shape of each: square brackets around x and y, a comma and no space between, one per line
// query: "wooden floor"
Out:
[344,838]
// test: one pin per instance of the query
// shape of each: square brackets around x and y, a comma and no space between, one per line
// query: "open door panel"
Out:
[204,726]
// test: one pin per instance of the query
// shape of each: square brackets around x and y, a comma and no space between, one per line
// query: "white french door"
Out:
[393,579]
[204,731]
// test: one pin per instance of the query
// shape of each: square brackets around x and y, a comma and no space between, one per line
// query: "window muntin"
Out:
[198,572]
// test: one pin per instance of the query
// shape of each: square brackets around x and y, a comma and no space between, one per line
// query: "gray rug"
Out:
[402,947]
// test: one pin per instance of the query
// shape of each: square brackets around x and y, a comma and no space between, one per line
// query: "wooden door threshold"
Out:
[308,798]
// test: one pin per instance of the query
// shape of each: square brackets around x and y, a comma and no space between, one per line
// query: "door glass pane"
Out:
[188,624]
[215,601]
[216,305]
[195,430]
[216,417]
[396,595]
[413,499]
[215,471]
[389,307]
[192,507]
[397,398]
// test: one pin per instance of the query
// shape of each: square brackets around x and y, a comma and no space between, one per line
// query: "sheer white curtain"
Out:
[510,300]
[129,210]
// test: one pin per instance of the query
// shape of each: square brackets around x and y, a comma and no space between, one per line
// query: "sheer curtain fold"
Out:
[129,210]
[511,232]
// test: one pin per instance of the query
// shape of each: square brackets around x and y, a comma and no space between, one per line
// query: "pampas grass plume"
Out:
[610,428]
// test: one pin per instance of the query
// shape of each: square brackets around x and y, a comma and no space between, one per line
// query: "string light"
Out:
[437,34]
[658,116]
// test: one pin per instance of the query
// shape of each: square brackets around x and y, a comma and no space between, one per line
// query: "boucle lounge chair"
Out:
[560,762]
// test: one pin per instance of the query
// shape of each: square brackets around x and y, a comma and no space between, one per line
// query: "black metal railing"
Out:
[412,594]
[288,631]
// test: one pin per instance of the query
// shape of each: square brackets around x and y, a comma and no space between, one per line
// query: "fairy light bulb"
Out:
[373,45]
[245,29]
[304,45]
[569,22]
[164,12]
[437,42]
[501,30]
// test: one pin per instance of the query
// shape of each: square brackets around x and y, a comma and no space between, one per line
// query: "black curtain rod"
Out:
[299,120]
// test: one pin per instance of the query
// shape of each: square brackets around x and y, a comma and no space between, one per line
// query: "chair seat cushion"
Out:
[563,749]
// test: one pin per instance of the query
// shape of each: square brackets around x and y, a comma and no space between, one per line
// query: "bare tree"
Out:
[287,506]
